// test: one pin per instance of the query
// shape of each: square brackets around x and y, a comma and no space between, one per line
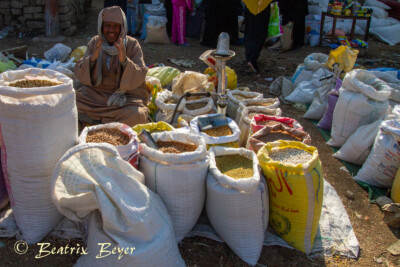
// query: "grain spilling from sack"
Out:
[175,147]
[290,155]
[194,106]
[268,123]
[235,166]
[219,131]
[278,135]
[112,136]
[33,83]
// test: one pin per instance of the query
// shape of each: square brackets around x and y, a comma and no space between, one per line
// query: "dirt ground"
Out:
[367,219]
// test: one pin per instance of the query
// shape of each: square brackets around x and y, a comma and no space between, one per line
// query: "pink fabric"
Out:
[178,24]
[184,3]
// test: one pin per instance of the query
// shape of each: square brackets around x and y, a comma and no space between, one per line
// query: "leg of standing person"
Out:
[299,30]
[255,34]
[168,8]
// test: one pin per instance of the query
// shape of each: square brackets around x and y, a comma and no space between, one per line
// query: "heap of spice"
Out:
[33,83]
[175,147]
[235,166]
[112,136]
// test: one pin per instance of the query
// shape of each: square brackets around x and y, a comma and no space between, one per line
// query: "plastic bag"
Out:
[344,56]
[230,75]
[191,81]
[58,52]
[274,26]
[7,66]
[156,30]
[164,74]
[78,53]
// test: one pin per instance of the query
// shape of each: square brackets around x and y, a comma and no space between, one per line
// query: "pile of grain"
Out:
[194,106]
[33,83]
[175,147]
[268,123]
[278,135]
[290,155]
[235,166]
[112,136]
[252,114]
[219,131]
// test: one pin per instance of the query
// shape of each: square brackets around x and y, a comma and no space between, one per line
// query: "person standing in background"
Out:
[296,12]
[131,16]
[256,20]
[179,21]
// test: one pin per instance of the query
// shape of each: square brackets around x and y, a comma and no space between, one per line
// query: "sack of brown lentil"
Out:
[39,123]
[118,134]
[177,173]
[247,115]
[166,103]
[260,121]
[262,103]
[92,183]
[275,133]
[235,97]
[237,201]
[227,135]
[199,107]
[294,175]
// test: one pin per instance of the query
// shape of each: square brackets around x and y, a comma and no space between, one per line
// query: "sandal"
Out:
[250,68]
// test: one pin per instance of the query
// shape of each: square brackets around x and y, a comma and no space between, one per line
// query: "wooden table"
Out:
[332,38]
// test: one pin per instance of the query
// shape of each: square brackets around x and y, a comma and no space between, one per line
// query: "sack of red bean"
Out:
[259,121]
[118,134]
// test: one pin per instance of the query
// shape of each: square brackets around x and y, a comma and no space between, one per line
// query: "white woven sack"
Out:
[129,152]
[208,108]
[362,100]
[384,160]
[179,179]
[165,111]
[92,181]
[233,102]
[320,103]
[265,103]
[391,79]
[245,121]
[37,126]
[211,140]
[358,146]
[301,74]
[315,61]
[238,208]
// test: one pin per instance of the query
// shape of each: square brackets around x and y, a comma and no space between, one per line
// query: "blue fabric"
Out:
[144,31]
[131,16]
[388,69]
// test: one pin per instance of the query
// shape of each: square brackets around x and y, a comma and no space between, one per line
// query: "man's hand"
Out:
[118,98]
[96,50]
[121,50]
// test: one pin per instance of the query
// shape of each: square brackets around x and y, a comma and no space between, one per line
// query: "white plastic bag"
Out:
[315,61]
[301,74]
[59,52]
[319,104]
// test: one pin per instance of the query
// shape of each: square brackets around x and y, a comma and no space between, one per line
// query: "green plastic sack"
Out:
[7,66]
[274,26]
[164,74]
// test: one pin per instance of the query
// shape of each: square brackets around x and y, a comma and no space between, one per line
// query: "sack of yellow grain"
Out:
[227,135]
[235,97]
[294,175]
[237,201]
[262,103]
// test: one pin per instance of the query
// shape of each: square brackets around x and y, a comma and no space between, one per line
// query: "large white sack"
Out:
[378,12]
[363,99]
[386,34]
[358,146]
[391,79]
[208,107]
[315,61]
[344,25]
[238,209]
[319,104]
[235,97]
[384,160]
[376,3]
[179,179]
[165,109]
[37,126]
[92,183]
[262,103]
[301,74]
[375,22]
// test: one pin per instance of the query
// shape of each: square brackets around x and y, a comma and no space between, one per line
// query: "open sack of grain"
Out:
[235,97]
[153,127]
[260,121]
[237,201]
[92,183]
[177,172]
[184,121]
[166,103]
[275,133]
[294,176]
[227,135]
[262,104]
[199,107]
[247,115]
[118,134]
[38,123]
[363,98]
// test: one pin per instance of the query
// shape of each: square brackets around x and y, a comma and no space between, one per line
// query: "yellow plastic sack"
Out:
[78,53]
[164,74]
[344,56]
[256,7]
[153,127]
[295,194]
[395,193]
[230,73]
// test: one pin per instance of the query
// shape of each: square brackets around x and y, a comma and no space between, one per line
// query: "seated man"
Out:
[113,74]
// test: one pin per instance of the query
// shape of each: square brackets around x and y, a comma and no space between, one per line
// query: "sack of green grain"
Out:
[275,133]
[247,115]
[166,103]
[177,172]
[262,104]
[237,201]
[294,176]
[227,135]
[237,96]
[118,134]
[199,107]
[39,123]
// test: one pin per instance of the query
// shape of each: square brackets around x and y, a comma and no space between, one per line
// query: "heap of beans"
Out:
[235,166]
[290,155]
[112,136]
[175,147]
[33,83]
[219,131]
[194,106]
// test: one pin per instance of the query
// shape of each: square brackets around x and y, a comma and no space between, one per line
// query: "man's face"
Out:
[111,31]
